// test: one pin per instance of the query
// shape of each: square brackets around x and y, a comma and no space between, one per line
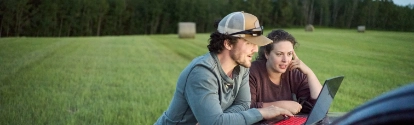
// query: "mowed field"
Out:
[131,79]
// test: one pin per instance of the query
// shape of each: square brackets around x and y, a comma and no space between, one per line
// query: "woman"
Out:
[278,77]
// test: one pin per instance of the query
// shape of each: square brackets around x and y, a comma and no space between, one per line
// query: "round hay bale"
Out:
[186,30]
[309,28]
[361,29]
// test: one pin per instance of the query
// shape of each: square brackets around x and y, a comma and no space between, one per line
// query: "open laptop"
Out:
[321,107]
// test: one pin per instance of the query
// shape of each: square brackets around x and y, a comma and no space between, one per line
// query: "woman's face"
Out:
[279,58]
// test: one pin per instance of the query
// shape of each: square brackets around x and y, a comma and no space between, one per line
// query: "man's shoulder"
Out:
[204,60]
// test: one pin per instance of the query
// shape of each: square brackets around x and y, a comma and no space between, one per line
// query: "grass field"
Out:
[131,79]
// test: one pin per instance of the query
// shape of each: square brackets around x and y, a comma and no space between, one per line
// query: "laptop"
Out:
[321,107]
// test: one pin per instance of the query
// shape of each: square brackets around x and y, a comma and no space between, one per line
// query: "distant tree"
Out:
[15,16]
[259,8]
[386,12]
[305,4]
[410,12]
[299,15]
[322,12]
[361,18]
[99,9]
[373,14]
[168,22]
[350,12]
[6,17]
[336,5]
[63,17]
[284,13]
[115,18]
[70,22]
[126,17]
[154,15]
[43,21]
[311,12]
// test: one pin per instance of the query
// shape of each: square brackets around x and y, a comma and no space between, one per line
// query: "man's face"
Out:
[242,52]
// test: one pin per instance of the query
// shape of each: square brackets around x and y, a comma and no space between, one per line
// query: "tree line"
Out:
[60,18]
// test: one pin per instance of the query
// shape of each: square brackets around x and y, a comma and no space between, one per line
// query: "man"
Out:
[214,88]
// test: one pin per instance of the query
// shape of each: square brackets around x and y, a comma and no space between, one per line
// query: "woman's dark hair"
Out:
[276,36]
[217,39]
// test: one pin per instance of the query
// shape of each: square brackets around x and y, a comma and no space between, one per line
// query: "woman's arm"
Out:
[292,106]
[314,84]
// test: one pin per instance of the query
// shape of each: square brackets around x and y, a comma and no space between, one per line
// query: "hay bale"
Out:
[309,28]
[186,30]
[361,29]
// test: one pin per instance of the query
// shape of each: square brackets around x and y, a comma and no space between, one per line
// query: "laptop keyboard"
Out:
[292,121]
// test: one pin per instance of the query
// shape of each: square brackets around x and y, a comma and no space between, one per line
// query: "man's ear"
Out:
[266,55]
[227,44]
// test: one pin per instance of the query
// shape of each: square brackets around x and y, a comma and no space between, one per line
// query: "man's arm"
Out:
[202,95]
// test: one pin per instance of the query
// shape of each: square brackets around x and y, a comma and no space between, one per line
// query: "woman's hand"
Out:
[292,106]
[297,63]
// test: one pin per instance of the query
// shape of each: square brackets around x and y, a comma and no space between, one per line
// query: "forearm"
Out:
[291,106]
[314,85]
[207,110]
[237,108]
[267,104]
[275,103]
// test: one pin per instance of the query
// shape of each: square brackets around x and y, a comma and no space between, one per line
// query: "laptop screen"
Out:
[325,98]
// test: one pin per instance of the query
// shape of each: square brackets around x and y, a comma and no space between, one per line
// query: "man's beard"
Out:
[236,57]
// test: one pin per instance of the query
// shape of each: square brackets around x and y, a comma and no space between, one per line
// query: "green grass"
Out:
[131,79]
[372,62]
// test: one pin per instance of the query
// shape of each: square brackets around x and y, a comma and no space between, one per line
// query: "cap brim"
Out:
[258,40]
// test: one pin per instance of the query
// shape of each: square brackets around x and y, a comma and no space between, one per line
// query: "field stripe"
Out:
[10,69]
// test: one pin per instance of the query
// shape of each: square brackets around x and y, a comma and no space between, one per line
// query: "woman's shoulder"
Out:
[258,64]
[257,67]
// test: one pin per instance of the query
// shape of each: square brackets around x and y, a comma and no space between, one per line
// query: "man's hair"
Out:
[217,39]
[276,36]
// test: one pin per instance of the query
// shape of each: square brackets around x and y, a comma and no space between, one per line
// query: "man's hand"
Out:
[273,111]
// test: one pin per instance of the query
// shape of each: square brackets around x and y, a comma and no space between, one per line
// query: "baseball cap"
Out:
[244,25]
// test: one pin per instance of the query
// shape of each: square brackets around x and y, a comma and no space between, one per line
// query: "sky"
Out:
[403,2]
